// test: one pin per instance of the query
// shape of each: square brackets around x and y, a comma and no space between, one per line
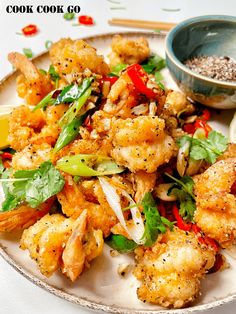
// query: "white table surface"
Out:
[18,295]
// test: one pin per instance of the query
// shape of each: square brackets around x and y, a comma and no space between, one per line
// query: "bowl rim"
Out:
[188,22]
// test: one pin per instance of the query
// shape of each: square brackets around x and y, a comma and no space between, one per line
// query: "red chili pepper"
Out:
[6,155]
[206,115]
[110,79]
[233,188]
[202,124]
[86,20]
[29,30]
[204,239]
[181,224]
[139,78]
[189,128]
[211,242]
[87,123]
[162,209]
[192,127]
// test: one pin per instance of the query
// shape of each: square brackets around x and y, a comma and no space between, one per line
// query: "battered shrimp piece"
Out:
[31,85]
[23,124]
[71,57]
[27,127]
[23,216]
[216,206]
[128,51]
[31,157]
[141,143]
[144,183]
[170,272]
[57,242]
[230,152]
[175,103]
[73,202]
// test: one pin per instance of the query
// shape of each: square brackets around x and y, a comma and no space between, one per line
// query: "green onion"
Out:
[68,133]
[69,16]
[48,44]
[81,165]
[28,52]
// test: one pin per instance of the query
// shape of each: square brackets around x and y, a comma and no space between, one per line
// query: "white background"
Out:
[17,295]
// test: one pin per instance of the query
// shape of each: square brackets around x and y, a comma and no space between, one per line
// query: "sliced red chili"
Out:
[233,188]
[29,30]
[139,78]
[205,239]
[189,128]
[211,242]
[86,20]
[87,123]
[206,115]
[192,127]
[219,263]
[202,124]
[181,224]
[6,155]
[162,209]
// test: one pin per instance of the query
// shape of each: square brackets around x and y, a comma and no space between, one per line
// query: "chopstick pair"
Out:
[142,24]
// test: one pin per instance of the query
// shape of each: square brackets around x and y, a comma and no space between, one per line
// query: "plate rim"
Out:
[81,301]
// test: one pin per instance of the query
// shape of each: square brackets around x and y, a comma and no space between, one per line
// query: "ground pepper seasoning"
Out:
[221,68]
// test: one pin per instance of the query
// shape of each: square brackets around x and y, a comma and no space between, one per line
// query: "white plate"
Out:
[100,288]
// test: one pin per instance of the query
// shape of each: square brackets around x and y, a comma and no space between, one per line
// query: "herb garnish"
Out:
[31,186]
[120,243]
[205,149]
[154,222]
[183,190]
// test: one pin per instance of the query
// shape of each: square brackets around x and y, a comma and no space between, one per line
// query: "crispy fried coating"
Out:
[31,157]
[216,206]
[170,272]
[141,143]
[73,202]
[71,57]
[57,242]
[31,85]
[23,216]
[128,51]
[27,127]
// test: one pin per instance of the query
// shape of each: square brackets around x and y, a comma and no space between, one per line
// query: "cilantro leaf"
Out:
[183,190]
[154,222]
[153,63]
[32,186]
[42,183]
[205,149]
[53,74]
[121,244]
[28,52]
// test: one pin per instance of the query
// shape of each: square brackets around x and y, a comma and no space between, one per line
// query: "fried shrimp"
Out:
[141,143]
[170,272]
[128,51]
[73,203]
[57,242]
[23,216]
[71,57]
[31,85]
[216,206]
[27,127]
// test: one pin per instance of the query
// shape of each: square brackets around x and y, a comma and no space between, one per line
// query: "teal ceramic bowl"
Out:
[203,35]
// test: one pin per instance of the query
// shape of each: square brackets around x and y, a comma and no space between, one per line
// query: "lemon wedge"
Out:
[232,130]
[4,127]
[4,130]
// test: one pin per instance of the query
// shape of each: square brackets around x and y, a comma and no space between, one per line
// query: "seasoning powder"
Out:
[221,68]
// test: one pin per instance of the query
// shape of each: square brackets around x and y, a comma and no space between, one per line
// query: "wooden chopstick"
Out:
[142,24]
